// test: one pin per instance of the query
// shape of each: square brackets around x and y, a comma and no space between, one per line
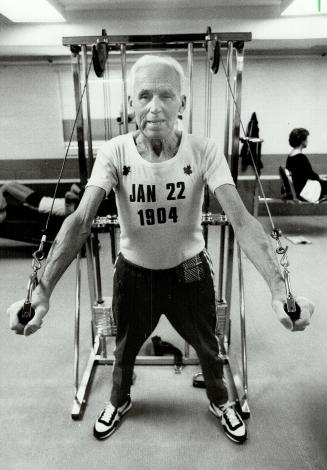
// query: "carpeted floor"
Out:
[169,426]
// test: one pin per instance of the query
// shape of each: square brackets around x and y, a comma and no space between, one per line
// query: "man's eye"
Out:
[144,96]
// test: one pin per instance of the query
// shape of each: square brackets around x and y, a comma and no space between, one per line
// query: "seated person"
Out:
[301,170]
[13,193]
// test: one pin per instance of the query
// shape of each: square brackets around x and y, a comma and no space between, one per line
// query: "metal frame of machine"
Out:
[233,44]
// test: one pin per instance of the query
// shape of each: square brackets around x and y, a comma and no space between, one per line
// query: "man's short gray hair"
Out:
[160,60]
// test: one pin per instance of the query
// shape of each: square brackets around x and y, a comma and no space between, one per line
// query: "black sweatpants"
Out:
[141,296]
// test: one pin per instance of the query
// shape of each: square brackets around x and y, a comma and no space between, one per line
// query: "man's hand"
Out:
[257,247]
[40,303]
[70,239]
[307,309]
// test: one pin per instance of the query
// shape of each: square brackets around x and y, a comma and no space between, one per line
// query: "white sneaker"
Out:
[231,421]
[109,419]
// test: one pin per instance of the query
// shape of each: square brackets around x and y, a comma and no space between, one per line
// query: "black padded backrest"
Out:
[286,185]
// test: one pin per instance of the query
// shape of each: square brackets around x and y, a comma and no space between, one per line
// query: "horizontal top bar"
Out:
[156,41]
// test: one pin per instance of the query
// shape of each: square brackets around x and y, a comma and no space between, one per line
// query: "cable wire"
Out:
[249,147]
[68,148]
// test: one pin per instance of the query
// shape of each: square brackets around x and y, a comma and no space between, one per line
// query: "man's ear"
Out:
[130,101]
[183,104]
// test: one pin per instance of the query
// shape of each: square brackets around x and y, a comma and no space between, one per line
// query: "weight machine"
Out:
[217,48]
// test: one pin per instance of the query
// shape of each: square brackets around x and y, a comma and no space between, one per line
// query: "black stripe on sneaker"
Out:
[238,439]
[125,407]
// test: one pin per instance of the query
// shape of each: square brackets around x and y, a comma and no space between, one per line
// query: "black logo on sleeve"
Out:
[188,170]
[126,170]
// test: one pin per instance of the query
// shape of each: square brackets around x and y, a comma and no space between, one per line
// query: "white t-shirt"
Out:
[160,204]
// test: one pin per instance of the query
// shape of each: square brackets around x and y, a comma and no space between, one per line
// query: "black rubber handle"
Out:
[216,58]
[293,315]
[26,313]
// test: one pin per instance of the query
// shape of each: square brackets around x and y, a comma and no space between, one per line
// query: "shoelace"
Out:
[232,416]
[108,412]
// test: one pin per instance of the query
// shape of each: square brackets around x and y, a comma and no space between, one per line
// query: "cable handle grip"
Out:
[295,313]
[26,313]
[292,309]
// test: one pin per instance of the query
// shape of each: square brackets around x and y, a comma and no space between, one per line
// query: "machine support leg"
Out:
[90,270]
[244,399]
[86,382]
[112,233]
[99,297]
[229,281]
[81,389]
[77,324]
[221,264]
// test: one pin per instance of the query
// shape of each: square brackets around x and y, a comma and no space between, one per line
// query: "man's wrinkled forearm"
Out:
[69,241]
[258,248]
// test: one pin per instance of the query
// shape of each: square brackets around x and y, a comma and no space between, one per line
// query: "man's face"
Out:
[156,100]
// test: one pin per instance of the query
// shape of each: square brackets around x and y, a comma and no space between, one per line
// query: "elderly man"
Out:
[158,174]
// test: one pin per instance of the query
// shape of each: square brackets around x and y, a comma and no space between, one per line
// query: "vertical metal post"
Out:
[124,86]
[221,263]
[234,170]
[77,324]
[99,297]
[255,206]
[229,281]
[190,86]
[208,94]
[230,234]
[190,125]
[229,67]
[90,269]
[91,278]
[205,227]
[112,233]
[243,331]
[88,126]
[207,131]
[75,57]
[237,111]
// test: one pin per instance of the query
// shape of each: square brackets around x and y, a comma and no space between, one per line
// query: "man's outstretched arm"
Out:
[70,239]
[258,248]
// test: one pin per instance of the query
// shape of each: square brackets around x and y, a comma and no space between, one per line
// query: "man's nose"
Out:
[155,104]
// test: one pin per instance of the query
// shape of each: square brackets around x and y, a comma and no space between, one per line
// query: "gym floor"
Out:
[287,381]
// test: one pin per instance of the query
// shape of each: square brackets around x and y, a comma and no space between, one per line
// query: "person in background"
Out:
[301,170]
[15,194]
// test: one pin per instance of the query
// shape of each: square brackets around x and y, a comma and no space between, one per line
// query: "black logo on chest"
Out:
[126,170]
[188,170]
